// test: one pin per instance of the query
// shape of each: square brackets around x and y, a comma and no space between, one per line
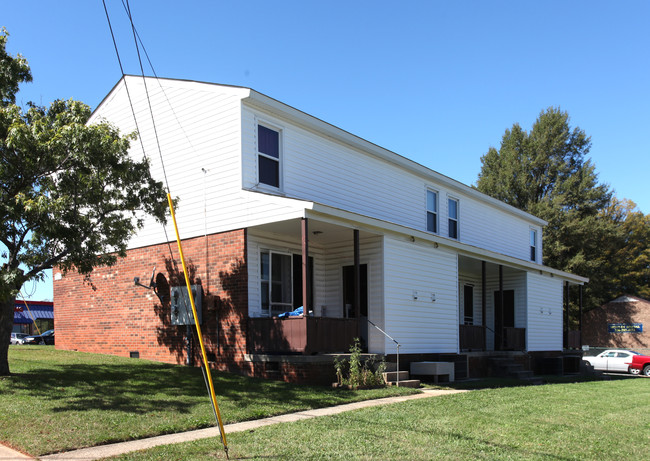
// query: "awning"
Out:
[26,316]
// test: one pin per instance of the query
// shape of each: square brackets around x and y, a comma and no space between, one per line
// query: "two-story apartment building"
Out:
[278,210]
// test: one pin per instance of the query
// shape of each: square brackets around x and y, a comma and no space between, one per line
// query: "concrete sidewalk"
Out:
[7,454]
[103,451]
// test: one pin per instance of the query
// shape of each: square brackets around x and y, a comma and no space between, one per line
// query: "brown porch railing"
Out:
[472,337]
[300,335]
[514,339]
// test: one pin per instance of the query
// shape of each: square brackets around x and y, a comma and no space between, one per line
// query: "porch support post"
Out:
[306,276]
[357,282]
[484,303]
[566,315]
[580,311]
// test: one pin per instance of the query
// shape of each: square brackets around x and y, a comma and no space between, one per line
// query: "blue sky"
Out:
[437,82]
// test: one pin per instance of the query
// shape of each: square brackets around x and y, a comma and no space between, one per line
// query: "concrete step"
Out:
[392,376]
[392,366]
[414,383]
[523,374]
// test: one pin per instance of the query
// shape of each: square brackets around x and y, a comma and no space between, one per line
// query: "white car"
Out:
[613,360]
[17,338]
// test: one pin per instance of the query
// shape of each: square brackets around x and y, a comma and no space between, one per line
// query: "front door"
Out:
[348,298]
[503,317]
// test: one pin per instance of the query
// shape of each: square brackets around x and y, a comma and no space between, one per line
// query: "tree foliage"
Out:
[546,172]
[629,256]
[70,195]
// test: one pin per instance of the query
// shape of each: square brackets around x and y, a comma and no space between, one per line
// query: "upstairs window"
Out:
[533,245]
[268,156]
[432,211]
[453,218]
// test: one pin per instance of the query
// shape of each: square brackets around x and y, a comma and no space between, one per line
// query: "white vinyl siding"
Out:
[544,328]
[210,125]
[320,169]
[193,121]
[420,325]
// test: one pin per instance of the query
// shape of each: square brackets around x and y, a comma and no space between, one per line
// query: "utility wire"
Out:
[138,41]
[135,38]
[162,88]
[128,94]
[146,89]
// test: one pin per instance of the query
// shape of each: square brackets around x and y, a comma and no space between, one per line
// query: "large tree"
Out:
[70,195]
[629,257]
[546,172]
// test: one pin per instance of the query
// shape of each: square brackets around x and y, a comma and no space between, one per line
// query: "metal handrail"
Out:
[392,339]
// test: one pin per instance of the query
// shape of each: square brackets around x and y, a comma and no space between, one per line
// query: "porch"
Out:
[330,270]
[301,335]
[493,306]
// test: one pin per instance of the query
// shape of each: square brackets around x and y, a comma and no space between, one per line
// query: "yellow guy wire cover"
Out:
[198,327]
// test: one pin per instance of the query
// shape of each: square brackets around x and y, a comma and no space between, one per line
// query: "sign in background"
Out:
[625,327]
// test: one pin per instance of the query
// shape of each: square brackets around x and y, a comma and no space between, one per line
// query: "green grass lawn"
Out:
[605,420]
[61,400]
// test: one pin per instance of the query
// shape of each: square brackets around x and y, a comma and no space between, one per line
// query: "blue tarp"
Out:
[294,313]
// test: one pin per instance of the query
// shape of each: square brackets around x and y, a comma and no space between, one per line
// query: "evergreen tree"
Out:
[546,172]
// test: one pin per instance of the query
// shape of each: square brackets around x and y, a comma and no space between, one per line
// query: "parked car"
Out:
[640,364]
[17,338]
[44,338]
[613,360]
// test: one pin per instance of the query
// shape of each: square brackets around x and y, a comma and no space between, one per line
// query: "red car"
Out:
[641,363]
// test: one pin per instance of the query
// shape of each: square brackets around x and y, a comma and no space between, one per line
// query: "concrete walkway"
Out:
[103,451]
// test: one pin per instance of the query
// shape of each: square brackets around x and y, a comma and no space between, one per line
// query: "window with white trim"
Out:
[452,210]
[432,211]
[276,283]
[268,156]
[533,245]
[281,282]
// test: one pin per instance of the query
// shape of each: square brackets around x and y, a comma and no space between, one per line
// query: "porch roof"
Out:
[352,220]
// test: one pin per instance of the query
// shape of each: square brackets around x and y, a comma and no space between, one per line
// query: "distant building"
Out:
[623,322]
[30,314]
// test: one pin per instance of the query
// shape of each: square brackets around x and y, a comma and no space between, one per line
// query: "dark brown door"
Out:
[348,298]
[504,316]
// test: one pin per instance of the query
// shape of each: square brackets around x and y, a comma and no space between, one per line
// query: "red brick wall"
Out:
[595,325]
[108,314]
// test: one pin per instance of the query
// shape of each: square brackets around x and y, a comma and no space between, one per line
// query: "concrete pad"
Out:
[433,369]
